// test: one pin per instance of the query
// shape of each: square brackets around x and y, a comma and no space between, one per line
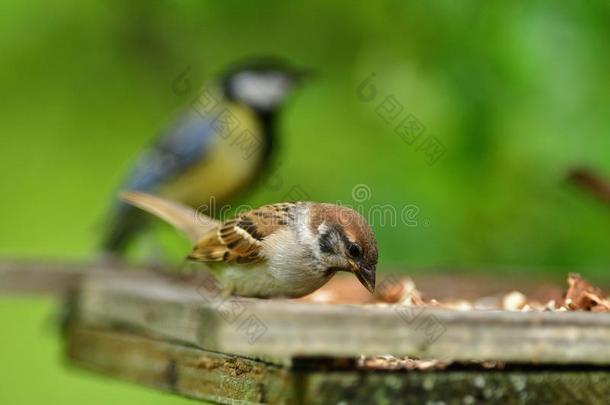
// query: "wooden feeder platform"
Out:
[183,338]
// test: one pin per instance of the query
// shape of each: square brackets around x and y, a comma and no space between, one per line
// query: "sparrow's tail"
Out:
[189,221]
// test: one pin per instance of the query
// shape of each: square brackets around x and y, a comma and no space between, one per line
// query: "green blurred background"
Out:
[516,93]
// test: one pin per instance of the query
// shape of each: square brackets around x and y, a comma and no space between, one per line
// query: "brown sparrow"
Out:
[278,250]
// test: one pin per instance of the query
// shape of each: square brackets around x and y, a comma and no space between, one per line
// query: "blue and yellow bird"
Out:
[218,148]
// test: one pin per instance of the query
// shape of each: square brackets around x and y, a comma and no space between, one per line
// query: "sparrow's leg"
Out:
[227,290]
[188,270]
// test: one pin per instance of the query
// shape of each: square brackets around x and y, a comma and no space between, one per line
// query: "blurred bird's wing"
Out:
[182,147]
[240,239]
[191,223]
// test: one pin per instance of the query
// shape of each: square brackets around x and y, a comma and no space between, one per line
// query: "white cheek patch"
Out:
[322,228]
[261,91]
[303,227]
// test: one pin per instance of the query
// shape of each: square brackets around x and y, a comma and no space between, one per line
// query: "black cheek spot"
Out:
[325,243]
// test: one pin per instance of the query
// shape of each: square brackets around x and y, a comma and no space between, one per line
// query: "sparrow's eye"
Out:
[354,251]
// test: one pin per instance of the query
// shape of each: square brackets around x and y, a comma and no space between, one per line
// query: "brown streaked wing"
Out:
[239,239]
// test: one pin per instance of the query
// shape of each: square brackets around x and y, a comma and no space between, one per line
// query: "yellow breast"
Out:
[229,164]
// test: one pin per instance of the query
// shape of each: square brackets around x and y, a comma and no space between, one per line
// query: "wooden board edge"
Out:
[177,369]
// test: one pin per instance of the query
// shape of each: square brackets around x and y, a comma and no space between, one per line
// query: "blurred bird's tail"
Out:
[123,225]
[189,221]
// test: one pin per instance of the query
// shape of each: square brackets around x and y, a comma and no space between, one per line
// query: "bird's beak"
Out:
[365,276]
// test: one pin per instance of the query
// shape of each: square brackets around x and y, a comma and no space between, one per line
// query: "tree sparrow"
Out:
[278,250]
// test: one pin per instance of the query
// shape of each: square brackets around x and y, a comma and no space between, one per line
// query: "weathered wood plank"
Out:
[154,306]
[185,371]
[39,277]
[226,379]
[458,387]
[52,277]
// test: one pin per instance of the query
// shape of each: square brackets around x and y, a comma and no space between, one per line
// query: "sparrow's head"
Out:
[262,85]
[346,242]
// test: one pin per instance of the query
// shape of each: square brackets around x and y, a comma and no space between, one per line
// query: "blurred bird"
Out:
[214,152]
[279,250]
